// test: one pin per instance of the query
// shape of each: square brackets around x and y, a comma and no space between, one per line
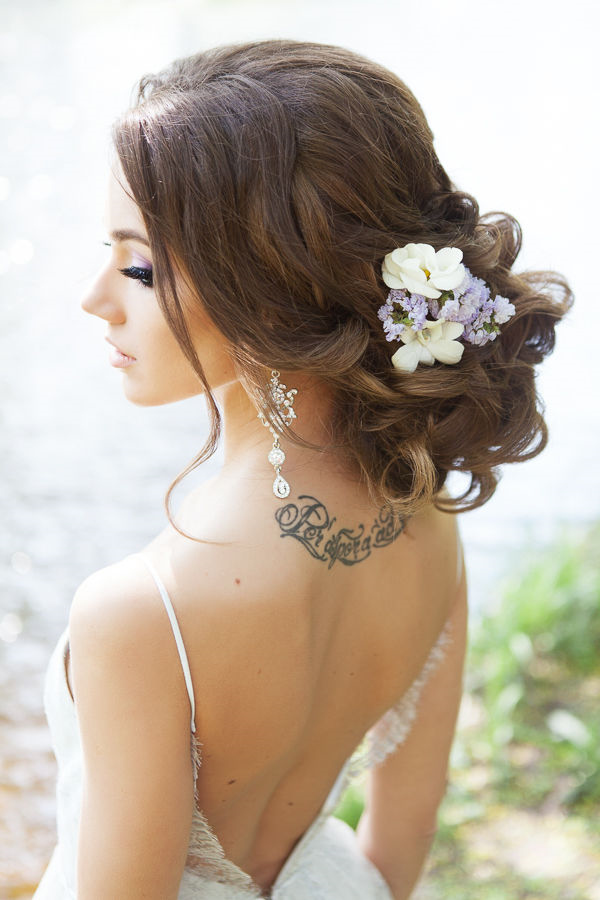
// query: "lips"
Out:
[118,358]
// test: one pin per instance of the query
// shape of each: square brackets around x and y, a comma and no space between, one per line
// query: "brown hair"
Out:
[277,175]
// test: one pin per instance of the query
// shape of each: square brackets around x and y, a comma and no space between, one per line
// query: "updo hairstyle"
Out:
[277,175]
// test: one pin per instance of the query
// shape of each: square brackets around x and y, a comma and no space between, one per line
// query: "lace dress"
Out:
[325,864]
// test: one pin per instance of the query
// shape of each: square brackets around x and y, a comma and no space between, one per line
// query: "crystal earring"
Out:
[284,401]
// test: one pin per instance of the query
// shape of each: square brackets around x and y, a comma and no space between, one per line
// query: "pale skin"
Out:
[291,660]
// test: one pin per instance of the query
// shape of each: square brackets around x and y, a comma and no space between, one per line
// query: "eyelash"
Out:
[144,276]
[138,273]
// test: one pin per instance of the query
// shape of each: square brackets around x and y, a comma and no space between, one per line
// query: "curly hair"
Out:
[277,175]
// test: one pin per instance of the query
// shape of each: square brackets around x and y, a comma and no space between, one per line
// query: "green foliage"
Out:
[351,805]
[552,609]
[535,664]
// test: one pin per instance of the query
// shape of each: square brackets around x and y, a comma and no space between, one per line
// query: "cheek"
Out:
[216,361]
[213,351]
[173,366]
[162,373]
[160,344]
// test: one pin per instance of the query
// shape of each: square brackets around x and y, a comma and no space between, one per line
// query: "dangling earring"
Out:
[284,401]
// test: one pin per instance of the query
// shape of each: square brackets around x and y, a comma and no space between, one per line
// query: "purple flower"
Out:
[469,304]
[417,310]
[451,311]
[478,336]
[503,310]
[402,310]
[384,311]
[393,329]
[475,294]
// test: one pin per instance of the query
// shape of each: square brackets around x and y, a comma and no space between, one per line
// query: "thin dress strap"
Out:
[177,635]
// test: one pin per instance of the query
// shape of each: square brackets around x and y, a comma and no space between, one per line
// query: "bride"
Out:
[284,241]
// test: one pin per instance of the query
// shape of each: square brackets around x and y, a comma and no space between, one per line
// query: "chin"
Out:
[139,396]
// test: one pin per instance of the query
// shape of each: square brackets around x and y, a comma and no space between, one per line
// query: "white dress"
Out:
[325,864]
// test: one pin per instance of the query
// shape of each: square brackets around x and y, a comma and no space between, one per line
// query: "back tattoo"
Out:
[309,523]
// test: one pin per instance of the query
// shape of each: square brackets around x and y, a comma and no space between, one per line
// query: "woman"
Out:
[285,241]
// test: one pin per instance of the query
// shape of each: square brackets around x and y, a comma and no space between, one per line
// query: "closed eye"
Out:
[139,274]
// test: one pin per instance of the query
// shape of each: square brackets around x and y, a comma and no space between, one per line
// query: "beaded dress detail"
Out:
[325,864]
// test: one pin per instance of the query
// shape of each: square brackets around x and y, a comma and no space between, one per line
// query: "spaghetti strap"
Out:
[177,635]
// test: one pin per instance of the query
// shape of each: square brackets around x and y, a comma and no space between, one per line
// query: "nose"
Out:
[99,300]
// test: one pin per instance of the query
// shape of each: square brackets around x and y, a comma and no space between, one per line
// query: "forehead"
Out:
[122,212]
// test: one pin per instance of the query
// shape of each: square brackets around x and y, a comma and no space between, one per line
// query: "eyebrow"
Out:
[127,234]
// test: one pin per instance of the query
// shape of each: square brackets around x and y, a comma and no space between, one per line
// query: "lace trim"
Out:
[393,727]
[206,856]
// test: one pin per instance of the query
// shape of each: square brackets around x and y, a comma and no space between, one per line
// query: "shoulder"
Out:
[115,605]
[434,538]
[240,593]
[122,648]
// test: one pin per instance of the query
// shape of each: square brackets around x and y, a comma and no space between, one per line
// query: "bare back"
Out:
[296,652]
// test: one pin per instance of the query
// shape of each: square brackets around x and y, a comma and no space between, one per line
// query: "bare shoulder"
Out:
[434,539]
[241,596]
[115,605]
[122,646]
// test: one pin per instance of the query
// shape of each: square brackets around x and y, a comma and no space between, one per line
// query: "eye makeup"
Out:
[140,270]
[139,273]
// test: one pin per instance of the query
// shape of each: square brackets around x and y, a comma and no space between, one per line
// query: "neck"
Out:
[246,440]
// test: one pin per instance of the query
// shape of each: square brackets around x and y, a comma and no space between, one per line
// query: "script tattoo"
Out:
[310,523]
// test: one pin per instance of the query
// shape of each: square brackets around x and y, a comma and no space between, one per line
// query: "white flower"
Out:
[419,269]
[435,341]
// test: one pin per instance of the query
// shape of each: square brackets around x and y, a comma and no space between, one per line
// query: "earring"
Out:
[284,401]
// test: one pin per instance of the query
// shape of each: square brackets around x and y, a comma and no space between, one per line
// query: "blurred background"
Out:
[510,91]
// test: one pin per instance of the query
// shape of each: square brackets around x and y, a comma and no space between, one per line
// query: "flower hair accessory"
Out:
[425,283]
